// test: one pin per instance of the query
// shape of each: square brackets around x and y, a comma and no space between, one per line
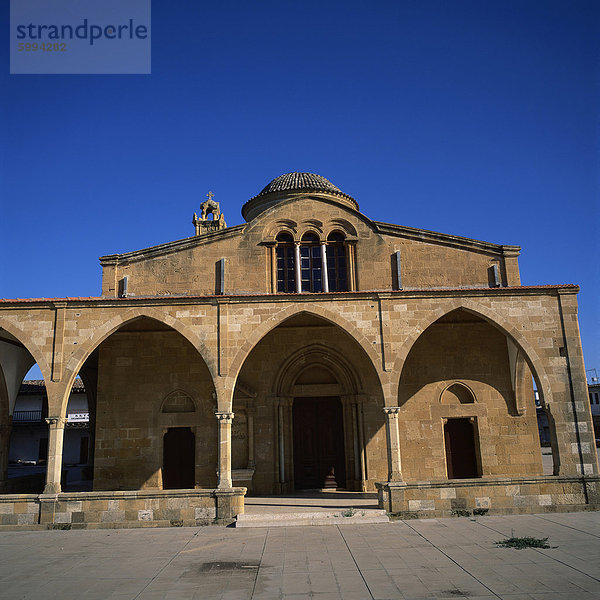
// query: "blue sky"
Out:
[471,118]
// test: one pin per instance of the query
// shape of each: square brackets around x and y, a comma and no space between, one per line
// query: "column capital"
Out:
[56,422]
[391,410]
[224,417]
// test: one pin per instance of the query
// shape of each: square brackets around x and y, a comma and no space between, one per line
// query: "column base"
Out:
[52,488]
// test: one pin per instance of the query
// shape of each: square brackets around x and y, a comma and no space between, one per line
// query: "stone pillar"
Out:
[56,427]
[5,430]
[283,445]
[354,447]
[225,419]
[351,267]
[250,427]
[393,443]
[575,435]
[324,267]
[297,267]
[273,256]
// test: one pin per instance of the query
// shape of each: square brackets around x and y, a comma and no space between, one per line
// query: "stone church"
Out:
[308,348]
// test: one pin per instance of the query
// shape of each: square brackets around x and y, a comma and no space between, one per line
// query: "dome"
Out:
[276,191]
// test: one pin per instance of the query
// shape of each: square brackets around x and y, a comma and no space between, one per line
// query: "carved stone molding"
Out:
[224,417]
[391,410]
[57,422]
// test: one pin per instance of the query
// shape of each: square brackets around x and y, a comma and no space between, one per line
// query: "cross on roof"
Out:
[209,196]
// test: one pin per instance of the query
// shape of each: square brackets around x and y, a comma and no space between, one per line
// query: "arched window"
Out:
[286,279]
[311,264]
[337,272]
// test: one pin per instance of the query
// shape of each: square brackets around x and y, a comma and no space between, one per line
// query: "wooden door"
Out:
[179,452]
[461,456]
[319,459]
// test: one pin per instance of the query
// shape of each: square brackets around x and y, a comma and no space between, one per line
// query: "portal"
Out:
[319,460]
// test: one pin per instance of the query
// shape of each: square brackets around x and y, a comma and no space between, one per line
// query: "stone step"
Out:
[357,516]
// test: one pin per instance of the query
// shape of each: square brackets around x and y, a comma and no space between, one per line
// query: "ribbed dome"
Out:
[300,181]
[292,182]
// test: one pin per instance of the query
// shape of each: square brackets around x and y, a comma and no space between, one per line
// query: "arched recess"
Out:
[151,381]
[307,369]
[270,324]
[463,368]
[457,393]
[493,318]
[307,360]
[79,357]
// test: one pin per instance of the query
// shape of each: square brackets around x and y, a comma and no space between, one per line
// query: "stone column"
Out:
[575,437]
[393,443]
[225,419]
[273,257]
[324,267]
[351,266]
[56,427]
[297,267]
[5,430]
[250,427]
[281,433]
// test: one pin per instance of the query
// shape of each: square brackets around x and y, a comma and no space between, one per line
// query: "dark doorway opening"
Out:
[319,460]
[461,453]
[179,459]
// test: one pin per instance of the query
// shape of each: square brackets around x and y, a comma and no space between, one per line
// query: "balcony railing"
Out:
[27,416]
[35,416]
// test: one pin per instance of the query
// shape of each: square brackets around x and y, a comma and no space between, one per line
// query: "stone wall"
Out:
[510,495]
[94,510]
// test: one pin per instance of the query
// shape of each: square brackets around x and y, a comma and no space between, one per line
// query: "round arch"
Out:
[493,318]
[77,360]
[264,328]
[461,390]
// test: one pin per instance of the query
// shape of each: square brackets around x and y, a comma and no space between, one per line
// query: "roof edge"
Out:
[160,249]
[428,235]
[570,288]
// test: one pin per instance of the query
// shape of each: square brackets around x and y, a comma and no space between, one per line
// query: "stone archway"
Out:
[459,381]
[150,380]
[308,360]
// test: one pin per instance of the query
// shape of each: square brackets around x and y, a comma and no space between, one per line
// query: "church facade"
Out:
[308,348]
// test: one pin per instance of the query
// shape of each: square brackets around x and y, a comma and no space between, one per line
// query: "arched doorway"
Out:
[314,414]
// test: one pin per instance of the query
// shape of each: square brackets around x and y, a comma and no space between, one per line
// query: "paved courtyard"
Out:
[438,558]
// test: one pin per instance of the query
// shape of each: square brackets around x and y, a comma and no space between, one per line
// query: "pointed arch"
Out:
[178,401]
[38,356]
[267,326]
[495,319]
[316,355]
[77,359]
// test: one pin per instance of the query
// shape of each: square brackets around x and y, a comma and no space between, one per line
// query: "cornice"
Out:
[169,247]
[424,235]
[136,301]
